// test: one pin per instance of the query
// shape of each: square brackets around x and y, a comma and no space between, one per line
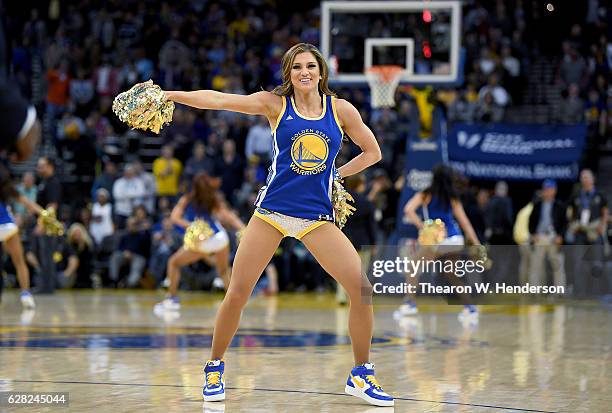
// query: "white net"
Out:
[383,81]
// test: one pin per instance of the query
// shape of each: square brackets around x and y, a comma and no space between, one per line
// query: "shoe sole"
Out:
[469,321]
[397,315]
[354,392]
[162,309]
[468,317]
[214,397]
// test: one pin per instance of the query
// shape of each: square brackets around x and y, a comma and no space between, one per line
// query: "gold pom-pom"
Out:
[340,202]
[144,107]
[479,252]
[50,223]
[196,232]
[432,233]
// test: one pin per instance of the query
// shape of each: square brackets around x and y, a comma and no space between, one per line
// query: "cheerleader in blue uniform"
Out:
[9,233]
[441,201]
[308,123]
[204,203]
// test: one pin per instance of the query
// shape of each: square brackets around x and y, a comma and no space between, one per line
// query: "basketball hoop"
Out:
[383,81]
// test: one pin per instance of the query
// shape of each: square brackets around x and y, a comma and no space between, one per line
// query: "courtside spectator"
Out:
[230,168]
[50,188]
[77,252]
[27,188]
[547,224]
[133,248]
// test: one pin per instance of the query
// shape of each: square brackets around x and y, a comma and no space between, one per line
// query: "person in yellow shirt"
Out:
[425,103]
[167,170]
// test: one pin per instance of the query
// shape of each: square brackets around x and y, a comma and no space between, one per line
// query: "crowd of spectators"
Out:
[118,210]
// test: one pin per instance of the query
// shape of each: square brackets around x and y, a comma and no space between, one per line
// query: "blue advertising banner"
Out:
[516,151]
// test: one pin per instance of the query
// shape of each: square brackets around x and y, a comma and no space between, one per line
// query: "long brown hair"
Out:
[443,185]
[8,192]
[204,193]
[286,89]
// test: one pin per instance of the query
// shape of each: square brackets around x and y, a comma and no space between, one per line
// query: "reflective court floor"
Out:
[111,353]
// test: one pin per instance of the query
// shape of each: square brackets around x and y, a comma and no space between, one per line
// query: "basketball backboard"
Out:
[422,36]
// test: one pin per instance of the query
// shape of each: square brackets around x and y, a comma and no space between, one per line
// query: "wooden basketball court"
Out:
[292,354]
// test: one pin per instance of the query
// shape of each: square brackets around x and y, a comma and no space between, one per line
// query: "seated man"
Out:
[166,240]
[133,248]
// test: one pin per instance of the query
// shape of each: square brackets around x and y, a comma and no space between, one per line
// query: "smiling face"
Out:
[305,72]
[303,68]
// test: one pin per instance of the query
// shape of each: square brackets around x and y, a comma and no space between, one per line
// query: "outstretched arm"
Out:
[352,124]
[31,206]
[259,103]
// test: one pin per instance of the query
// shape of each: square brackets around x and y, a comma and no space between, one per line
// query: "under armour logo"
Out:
[289,117]
[468,141]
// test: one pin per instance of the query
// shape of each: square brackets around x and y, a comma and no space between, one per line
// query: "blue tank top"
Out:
[439,210]
[300,179]
[6,217]
[192,213]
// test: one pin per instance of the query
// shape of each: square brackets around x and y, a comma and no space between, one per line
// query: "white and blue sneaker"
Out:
[27,301]
[218,284]
[168,304]
[362,383]
[409,308]
[214,383]
[469,314]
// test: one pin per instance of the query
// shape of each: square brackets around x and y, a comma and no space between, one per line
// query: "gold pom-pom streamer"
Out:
[432,233]
[48,220]
[144,107]
[479,252]
[196,232]
[340,202]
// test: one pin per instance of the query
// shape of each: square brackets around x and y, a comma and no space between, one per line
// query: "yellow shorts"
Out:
[288,226]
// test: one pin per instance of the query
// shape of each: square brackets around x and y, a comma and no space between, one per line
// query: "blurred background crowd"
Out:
[115,187]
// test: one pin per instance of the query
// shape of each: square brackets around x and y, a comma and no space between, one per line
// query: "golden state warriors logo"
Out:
[309,152]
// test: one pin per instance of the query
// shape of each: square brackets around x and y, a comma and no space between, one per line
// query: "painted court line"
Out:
[516,409]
